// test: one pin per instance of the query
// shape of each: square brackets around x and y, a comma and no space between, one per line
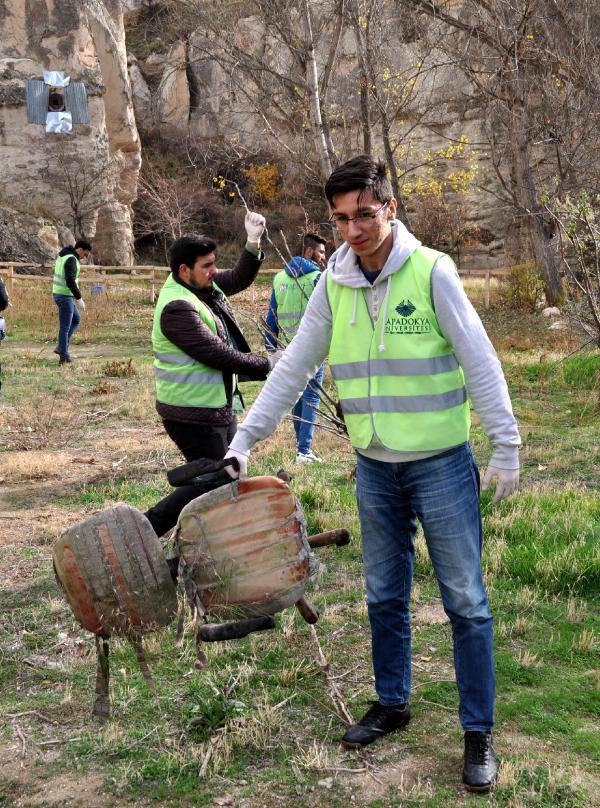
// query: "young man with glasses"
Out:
[405,348]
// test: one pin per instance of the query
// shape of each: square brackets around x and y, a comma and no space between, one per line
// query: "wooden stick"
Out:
[19,732]
[334,693]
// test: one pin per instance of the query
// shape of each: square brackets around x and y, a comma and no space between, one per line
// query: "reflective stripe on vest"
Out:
[292,296]
[180,379]
[411,396]
[59,279]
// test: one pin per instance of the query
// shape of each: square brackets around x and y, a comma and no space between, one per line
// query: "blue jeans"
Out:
[305,417]
[442,492]
[68,321]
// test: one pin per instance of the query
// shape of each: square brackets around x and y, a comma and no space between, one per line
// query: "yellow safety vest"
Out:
[59,281]
[180,379]
[411,395]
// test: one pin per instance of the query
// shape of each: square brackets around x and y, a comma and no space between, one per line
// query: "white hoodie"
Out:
[458,321]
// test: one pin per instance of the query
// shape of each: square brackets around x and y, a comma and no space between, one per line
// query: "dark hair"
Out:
[312,240]
[362,173]
[186,249]
[82,244]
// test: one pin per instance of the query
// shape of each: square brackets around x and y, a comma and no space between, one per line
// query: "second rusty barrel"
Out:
[114,574]
[244,548]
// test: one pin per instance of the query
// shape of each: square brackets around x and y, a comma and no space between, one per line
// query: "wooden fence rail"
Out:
[94,274]
[101,275]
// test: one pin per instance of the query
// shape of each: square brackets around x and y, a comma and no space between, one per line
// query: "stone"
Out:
[142,98]
[551,311]
[87,42]
[26,237]
[173,94]
[558,325]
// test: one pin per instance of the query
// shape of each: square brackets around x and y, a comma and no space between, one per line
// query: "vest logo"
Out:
[405,308]
[406,323]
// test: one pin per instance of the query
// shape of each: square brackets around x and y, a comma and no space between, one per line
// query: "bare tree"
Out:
[273,65]
[511,50]
[578,225]
[166,208]
[394,100]
[81,188]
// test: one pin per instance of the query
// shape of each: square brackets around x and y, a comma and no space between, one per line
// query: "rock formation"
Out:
[186,95]
[86,180]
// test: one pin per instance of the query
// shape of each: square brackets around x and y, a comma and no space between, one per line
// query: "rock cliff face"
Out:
[85,180]
[183,94]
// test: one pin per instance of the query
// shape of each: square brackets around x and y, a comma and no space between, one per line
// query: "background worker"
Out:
[292,288]
[67,295]
[405,346]
[199,353]
[4,303]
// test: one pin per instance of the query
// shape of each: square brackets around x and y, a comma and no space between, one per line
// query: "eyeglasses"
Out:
[341,221]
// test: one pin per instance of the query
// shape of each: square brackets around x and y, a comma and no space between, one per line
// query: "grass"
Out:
[257,726]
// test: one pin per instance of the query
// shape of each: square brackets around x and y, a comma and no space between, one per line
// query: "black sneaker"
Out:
[376,722]
[64,359]
[480,771]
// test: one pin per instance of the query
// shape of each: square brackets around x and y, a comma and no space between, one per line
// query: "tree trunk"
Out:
[312,80]
[401,211]
[365,106]
[527,193]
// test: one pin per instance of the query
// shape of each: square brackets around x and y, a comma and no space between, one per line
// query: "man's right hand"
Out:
[80,304]
[255,226]
[242,459]
[274,357]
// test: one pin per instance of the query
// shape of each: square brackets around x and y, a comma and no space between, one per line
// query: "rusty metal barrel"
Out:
[113,571]
[244,548]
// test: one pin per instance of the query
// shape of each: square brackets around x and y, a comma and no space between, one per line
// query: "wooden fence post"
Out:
[152,288]
[487,290]
[10,281]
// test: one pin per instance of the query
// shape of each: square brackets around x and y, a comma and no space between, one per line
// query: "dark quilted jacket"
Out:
[226,351]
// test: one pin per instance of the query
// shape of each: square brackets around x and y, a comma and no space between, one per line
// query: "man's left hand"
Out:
[507,481]
[255,224]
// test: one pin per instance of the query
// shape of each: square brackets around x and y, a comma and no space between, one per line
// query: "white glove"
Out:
[507,481]
[274,357]
[255,226]
[80,304]
[242,459]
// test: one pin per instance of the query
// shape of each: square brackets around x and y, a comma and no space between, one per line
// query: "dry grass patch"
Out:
[316,757]
[585,641]
[577,610]
[104,389]
[46,421]
[522,626]
[33,465]
[526,659]
[118,369]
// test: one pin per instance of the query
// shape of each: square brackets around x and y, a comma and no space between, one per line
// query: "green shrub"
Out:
[525,287]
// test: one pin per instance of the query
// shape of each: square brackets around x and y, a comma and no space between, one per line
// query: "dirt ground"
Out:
[31,519]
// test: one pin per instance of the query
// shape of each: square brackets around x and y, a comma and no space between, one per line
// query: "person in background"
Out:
[4,303]
[67,295]
[292,288]
[200,353]
[406,349]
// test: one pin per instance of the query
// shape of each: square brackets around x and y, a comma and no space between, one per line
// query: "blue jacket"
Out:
[295,268]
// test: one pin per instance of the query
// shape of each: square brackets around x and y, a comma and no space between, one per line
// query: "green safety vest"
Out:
[411,396]
[292,296]
[181,380]
[59,281]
